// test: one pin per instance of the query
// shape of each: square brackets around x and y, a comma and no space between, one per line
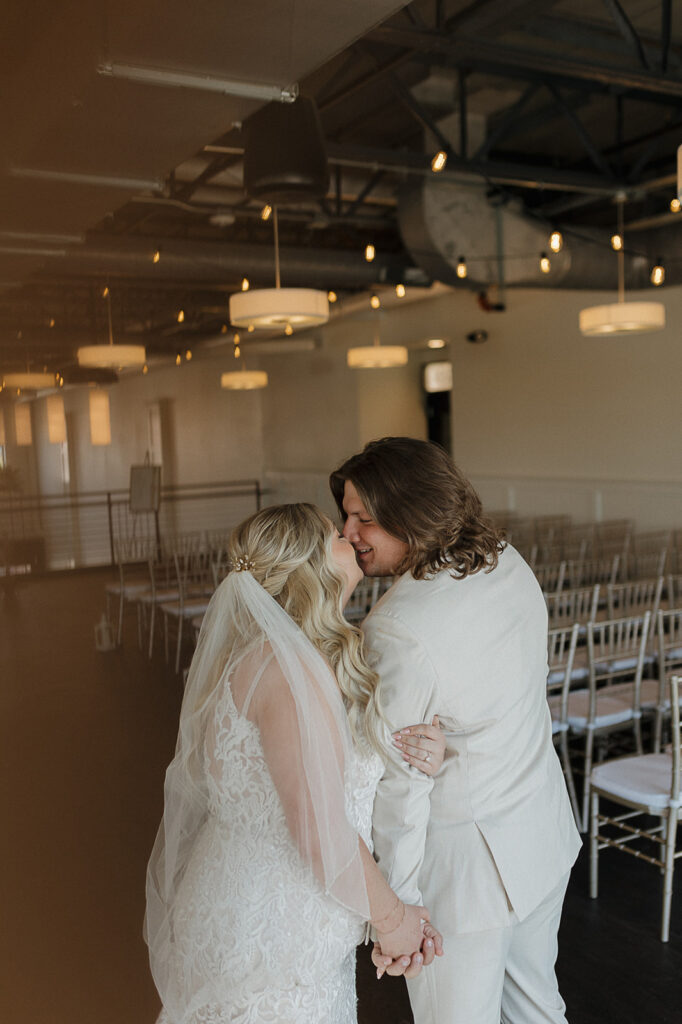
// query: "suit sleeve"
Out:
[408,693]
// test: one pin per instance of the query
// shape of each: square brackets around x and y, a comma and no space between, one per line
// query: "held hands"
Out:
[402,930]
[410,966]
[422,746]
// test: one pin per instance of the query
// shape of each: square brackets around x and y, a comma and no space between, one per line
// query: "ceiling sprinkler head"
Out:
[477,337]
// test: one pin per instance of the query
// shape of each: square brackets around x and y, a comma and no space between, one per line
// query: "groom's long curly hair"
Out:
[414,491]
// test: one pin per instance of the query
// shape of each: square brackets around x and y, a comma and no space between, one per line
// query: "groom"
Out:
[489,842]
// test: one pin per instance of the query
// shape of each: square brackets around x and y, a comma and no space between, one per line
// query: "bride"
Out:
[261,882]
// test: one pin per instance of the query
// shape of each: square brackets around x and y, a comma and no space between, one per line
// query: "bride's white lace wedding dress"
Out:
[250,910]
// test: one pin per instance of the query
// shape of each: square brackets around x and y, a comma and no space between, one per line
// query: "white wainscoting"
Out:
[652,505]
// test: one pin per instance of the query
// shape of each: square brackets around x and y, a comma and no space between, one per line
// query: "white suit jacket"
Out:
[494,830]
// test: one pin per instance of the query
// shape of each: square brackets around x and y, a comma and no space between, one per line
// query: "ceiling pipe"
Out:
[192,264]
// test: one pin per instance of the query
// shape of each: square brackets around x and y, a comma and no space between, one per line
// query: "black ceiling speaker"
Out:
[284,153]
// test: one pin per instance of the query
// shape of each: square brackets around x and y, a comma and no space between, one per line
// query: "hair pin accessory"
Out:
[244,564]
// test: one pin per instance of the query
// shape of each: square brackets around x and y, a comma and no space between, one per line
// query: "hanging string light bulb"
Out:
[400,291]
[462,268]
[545,265]
[556,241]
[370,252]
[332,296]
[675,205]
[439,161]
[658,273]
[617,242]
[375,301]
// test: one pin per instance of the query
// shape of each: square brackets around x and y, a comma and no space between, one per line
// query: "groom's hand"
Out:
[409,966]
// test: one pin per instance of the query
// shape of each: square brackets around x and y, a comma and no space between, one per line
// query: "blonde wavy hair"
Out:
[288,549]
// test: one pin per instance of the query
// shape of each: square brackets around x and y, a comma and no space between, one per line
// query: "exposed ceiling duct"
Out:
[443,223]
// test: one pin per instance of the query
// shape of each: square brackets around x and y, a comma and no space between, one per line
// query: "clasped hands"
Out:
[416,933]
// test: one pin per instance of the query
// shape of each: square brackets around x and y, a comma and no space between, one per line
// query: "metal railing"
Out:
[39,533]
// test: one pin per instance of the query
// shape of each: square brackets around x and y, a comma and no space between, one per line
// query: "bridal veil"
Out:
[242,626]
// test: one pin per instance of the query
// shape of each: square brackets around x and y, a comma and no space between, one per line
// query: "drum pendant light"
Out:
[284,162]
[111,356]
[622,317]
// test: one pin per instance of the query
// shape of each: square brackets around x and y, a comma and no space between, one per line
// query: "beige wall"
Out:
[208,433]
[543,419]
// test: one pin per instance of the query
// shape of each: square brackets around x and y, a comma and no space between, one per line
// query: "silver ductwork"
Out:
[443,222]
[217,264]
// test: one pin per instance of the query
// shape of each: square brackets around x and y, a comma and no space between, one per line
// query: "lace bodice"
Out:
[250,914]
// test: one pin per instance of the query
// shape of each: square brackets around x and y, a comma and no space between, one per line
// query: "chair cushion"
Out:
[642,780]
[609,711]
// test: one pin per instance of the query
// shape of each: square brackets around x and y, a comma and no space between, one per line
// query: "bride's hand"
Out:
[407,938]
[422,746]
[432,946]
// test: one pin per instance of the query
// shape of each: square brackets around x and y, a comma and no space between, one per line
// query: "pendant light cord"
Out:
[275,224]
[111,333]
[621,254]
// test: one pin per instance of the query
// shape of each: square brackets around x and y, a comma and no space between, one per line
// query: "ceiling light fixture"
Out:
[435,343]
[28,381]
[376,356]
[622,317]
[277,308]
[243,380]
[111,356]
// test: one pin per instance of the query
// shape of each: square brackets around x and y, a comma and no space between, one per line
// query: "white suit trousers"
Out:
[503,974]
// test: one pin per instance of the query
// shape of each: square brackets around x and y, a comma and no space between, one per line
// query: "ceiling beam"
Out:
[494,171]
[628,31]
[508,122]
[495,15]
[570,32]
[478,54]
[599,161]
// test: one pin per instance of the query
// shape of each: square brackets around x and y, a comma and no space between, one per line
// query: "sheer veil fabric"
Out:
[244,629]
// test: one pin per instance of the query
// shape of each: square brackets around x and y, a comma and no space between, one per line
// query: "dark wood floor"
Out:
[85,740]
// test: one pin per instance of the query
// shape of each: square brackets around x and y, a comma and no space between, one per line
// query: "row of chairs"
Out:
[615,568]
[172,581]
[603,690]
